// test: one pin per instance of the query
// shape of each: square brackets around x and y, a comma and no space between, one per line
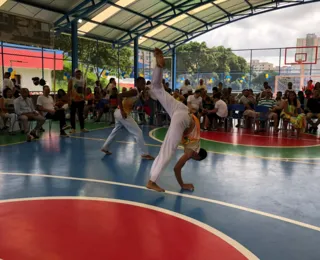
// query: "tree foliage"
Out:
[97,56]
[195,57]
[261,78]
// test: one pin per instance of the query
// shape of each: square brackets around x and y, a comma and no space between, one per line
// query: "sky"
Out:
[275,29]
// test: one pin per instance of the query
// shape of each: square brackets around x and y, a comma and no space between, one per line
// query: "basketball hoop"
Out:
[299,62]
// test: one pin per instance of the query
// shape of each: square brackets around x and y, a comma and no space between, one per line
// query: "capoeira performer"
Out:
[126,101]
[184,128]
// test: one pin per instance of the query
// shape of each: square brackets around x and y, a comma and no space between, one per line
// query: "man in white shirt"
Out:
[24,109]
[220,110]
[195,101]
[7,82]
[45,104]
[186,88]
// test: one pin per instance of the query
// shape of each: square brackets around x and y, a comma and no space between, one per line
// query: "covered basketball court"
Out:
[256,196]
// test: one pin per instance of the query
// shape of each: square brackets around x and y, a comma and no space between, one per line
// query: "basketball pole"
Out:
[301,75]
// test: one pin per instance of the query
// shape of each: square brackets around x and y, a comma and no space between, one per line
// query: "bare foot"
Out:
[188,186]
[153,186]
[147,157]
[159,57]
[106,152]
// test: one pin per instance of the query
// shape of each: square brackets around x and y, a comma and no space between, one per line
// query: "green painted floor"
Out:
[6,139]
[251,151]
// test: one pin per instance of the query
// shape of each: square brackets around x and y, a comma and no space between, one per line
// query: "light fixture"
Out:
[219,1]
[179,18]
[201,8]
[80,21]
[2,2]
[105,14]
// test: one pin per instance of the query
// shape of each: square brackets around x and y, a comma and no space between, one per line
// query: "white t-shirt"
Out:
[7,83]
[195,102]
[185,89]
[45,102]
[222,108]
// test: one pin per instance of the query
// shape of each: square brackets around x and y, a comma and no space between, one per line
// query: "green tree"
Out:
[96,57]
[195,57]
[261,78]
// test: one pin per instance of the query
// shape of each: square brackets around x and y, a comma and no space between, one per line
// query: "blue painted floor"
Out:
[289,190]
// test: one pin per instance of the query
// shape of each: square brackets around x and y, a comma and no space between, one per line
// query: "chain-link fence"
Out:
[238,69]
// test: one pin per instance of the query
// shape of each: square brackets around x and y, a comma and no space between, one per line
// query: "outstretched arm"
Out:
[177,171]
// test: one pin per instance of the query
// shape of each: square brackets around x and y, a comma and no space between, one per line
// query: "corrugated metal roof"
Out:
[156,23]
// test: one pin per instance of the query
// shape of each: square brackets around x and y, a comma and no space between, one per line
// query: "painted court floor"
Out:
[256,197]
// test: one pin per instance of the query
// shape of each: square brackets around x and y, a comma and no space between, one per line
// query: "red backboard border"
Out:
[297,62]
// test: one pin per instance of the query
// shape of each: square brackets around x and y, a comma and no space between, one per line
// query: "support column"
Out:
[136,58]
[173,69]
[42,63]
[2,61]
[250,76]
[74,44]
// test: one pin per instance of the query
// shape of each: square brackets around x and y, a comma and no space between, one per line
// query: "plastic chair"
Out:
[263,116]
[236,112]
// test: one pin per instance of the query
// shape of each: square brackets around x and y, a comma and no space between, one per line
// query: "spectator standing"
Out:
[112,84]
[186,88]
[202,85]
[76,92]
[7,82]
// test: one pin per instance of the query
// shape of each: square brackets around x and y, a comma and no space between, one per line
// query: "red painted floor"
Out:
[82,229]
[247,138]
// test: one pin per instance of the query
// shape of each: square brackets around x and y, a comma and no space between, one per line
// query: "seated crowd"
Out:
[17,108]
[301,110]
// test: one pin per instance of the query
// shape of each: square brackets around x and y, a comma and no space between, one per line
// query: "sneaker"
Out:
[84,130]
[66,127]
[29,138]
[64,134]
[33,133]
[72,131]
[147,157]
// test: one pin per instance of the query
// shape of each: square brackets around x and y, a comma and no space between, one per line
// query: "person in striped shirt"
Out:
[269,102]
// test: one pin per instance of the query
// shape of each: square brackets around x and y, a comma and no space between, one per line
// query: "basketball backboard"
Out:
[301,55]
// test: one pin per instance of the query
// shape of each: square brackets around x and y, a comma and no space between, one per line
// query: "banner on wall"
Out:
[23,30]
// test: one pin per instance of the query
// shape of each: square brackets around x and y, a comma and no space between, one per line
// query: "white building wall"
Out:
[28,73]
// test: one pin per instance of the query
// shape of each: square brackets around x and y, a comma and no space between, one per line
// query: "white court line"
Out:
[229,205]
[240,248]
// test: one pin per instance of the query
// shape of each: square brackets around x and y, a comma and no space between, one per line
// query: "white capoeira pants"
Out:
[180,120]
[131,126]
